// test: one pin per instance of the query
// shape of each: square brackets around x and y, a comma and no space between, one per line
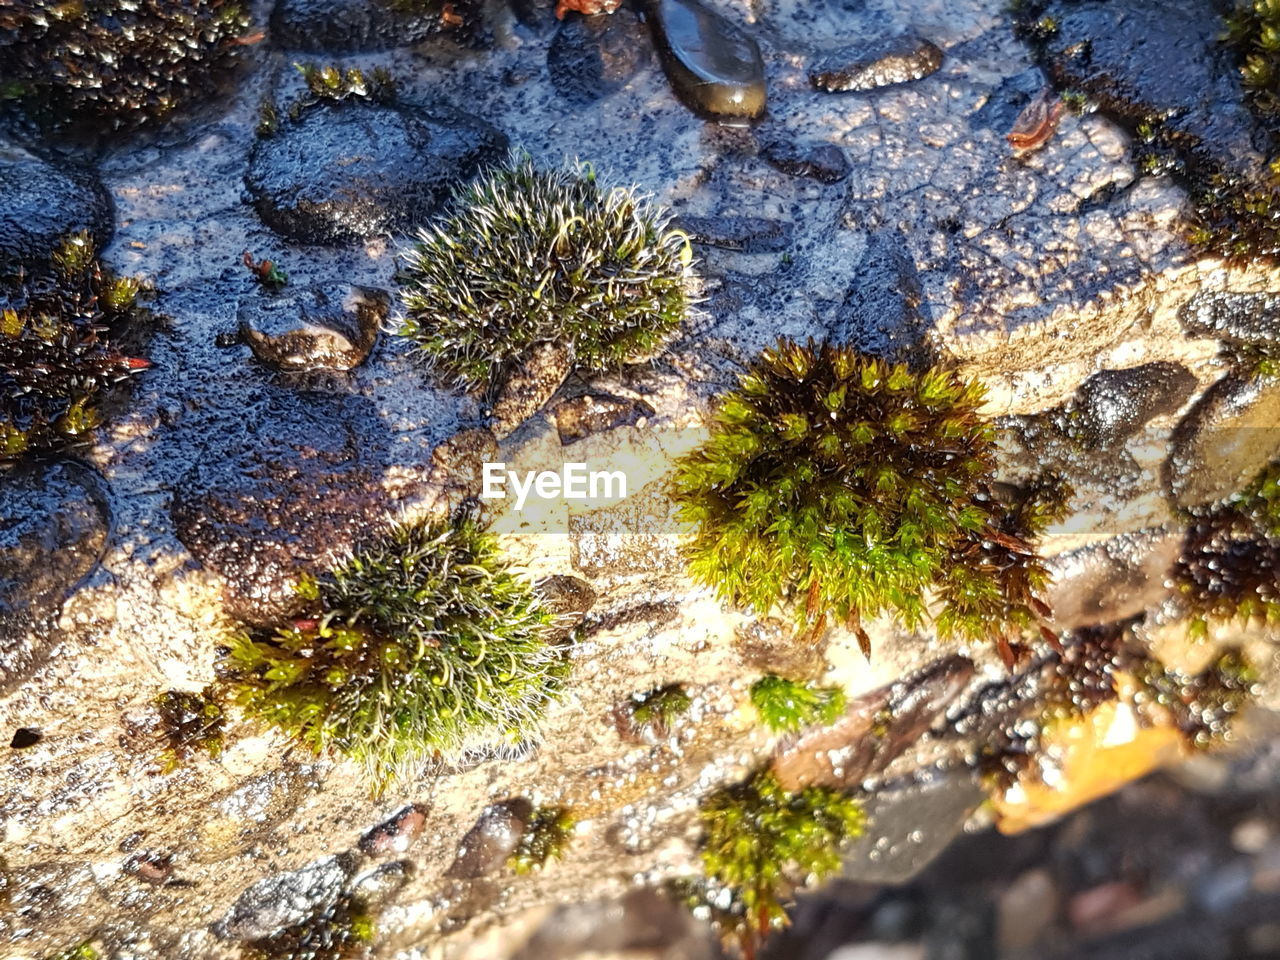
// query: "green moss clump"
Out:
[423,644]
[786,706]
[545,838]
[655,712]
[83,951]
[113,64]
[527,257]
[57,359]
[189,723]
[762,842]
[835,483]
[342,931]
[1203,706]
[334,83]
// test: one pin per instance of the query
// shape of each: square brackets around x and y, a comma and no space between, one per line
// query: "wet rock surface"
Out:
[747,234]
[714,66]
[1245,318]
[330,327]
[579,417]
[824,162]
[44,203]
[593,57]
[283,495]
[286,899]
[1225,440]
[363,25]
[1114,580]
[1112,405]
[879,63]
[343,172]
[881,312]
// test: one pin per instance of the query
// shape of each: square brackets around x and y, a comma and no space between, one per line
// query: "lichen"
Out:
[836,484]
[546,837]
[189,723]
[761,843]
[527,257]
[423,644]
[786,706]
[57,356]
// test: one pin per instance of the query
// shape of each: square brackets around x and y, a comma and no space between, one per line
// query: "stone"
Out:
[1243,318]
[285,493]
[347,171]
[1114,580]
[877,63]
[579,417]
[824,162]
[395,835]
[54,525]
[331,327]
[714,67]
[1113,405]
[357,26]
[43,203]
[881,312]
[1227,437]
[745,234]
[487,845]
[530,386]
[285,899]
[593,57]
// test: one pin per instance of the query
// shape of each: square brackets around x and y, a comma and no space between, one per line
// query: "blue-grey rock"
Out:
[593,57]
[44,203]
[881,313]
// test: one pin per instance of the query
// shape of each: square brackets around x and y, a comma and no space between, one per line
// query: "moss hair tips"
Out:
[836,484]
[527,257]
[422,645]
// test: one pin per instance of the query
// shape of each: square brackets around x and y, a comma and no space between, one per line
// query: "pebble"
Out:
[593,57]
[824,162]
[1113,405]
[745,234]
[580,417]
[878,63]
[489,843]
[44,203]
[713,66]
[332,327]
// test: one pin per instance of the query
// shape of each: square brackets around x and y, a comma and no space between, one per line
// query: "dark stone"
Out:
[1245,318]
[54,526]
[325,327]
[285,899]
[1113,405]
[592,57]
[714,67]
[284,491]
[877,63]
[1114,580]
[397,834]
[908,827]
[489,843]
[881,313]
[580,417]
[44,203]
[1231,433]
[347,171]
[366,25]
[1165,61]
[824,162]
[748,234]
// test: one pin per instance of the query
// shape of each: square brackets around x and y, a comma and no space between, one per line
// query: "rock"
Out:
[346,171]
[54,525]
[366,25]
[530,386]
[284,899]
[43,203]
[593,57]
[457,465]
[1161,62]
[747,234]
[909,826]
[1229,435]
[1113,405]
[1025,910]
[881,313]
[877,63]
[824,162]
[285,493]
[397,834]
[330,327]
[566,595]
[714,67]
[1113,580]
[1245,318]
[489,843]
[579,417]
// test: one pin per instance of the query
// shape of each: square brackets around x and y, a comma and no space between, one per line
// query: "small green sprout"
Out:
[424,644]
[189,722]
[333,83]
[834,483]
[83,951]
[546,837]
[655,712]
[527,257]
[762,842]
[267,272]
[786,706]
